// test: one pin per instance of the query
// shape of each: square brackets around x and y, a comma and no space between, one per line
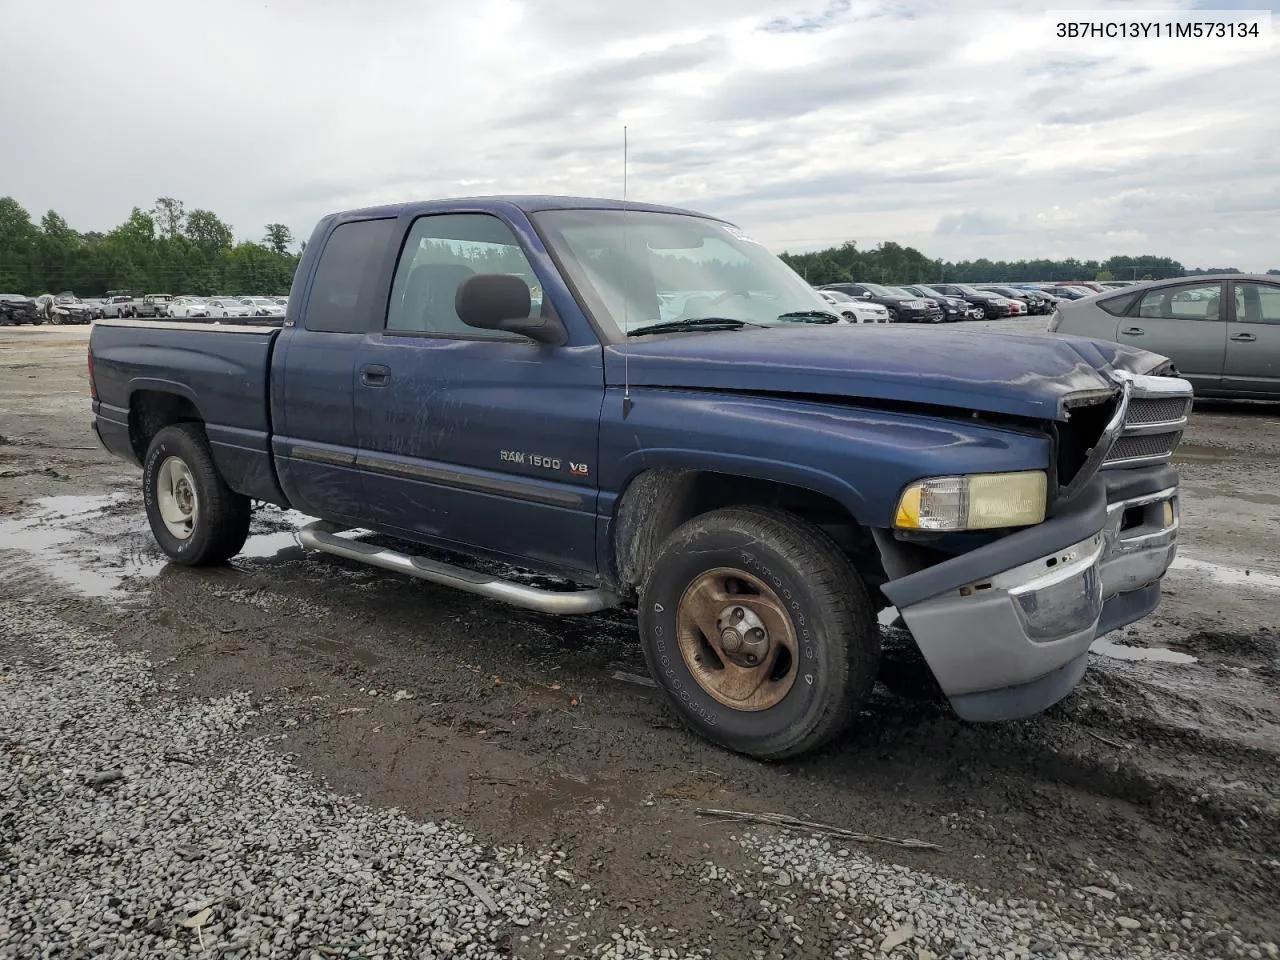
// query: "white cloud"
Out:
[964,131]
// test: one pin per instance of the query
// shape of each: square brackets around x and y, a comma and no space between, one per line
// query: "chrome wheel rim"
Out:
[737,639]
[176,498]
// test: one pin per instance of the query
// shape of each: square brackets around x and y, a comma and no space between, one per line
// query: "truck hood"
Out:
[1026,375]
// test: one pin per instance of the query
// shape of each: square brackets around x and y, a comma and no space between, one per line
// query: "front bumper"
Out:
[1006,628]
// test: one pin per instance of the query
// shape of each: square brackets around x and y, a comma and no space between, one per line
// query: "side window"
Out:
[1257,303]
[440,253]
[1202,302]
[349,259]
[1117,306]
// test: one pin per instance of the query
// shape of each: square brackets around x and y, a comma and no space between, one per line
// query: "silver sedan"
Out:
[1222,332]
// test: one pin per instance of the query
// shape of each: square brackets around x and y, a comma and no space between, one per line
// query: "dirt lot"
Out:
[1155,783]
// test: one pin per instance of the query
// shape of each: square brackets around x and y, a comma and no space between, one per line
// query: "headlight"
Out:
[981,501]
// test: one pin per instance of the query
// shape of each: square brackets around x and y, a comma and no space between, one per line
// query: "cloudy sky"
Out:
[965,129]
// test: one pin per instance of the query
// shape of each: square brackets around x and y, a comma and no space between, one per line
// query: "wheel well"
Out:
[657,501]
[150,411]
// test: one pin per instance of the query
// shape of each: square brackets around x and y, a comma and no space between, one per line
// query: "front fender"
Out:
[860,457]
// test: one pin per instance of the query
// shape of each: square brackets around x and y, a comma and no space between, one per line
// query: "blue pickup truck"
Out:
[646,404]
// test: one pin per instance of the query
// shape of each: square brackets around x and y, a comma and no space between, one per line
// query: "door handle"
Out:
[1133,331]
[375,375]
[1244,338]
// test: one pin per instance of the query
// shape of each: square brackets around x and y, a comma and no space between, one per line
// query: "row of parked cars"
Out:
[190,307]
[68,308]
[948,302]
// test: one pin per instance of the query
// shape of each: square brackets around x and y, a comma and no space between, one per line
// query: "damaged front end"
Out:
[1006,627]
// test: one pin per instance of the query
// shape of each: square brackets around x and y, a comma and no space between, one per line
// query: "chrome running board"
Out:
[322,536]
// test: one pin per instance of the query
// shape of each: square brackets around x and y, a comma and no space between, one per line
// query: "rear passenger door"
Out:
[313,374]
[1185,323]
[1253,339]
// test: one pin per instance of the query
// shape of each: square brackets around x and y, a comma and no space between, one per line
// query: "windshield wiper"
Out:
[810,316]
[692,323]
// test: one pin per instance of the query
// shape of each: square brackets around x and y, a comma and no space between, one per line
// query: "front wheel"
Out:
[195,517]
[759,630]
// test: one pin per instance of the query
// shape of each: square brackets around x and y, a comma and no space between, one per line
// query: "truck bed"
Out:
[221,371]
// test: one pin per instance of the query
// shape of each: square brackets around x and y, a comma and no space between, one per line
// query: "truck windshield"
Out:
[641,268]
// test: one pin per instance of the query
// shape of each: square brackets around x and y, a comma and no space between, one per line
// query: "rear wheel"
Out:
[195,517]
[981,313]
[759,630]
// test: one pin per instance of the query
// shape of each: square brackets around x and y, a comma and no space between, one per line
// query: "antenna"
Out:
[626,293]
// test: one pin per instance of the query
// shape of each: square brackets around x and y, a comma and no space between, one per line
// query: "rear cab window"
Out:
[340,297]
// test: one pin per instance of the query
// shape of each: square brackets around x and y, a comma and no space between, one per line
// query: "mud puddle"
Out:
[101,546]
[1108,647]
[1225,574]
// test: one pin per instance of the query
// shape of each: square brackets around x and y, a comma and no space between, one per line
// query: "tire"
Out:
[893,315]
[982,313]
[809,589]
[218,516]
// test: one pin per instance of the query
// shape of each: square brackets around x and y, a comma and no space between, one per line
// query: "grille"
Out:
[1156,409]
[1151,445]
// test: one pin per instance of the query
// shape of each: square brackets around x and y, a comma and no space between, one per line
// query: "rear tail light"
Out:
[93,387]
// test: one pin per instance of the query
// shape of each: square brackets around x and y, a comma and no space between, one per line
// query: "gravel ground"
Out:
[133,825]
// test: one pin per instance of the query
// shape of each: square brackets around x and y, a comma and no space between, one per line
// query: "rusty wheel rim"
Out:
[737,639]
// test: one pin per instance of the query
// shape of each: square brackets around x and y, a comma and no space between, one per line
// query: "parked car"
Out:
[226,307]
[754,487]
[188,308]
[853,310]
[117,305]
[903,307]
[1068,292]
[151,306]
[1036,303]
[263,307]
[64,307]
[989,305]
[16,308]
[953,308]
[1221,332]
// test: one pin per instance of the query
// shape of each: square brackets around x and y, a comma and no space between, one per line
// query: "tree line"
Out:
[890,263]
[166,249]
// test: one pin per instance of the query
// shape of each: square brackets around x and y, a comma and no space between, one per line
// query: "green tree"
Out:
[1102,276]
[208,232]
[279,238]
[169,216]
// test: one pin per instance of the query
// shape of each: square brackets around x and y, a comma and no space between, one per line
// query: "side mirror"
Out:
[866,294]
[500,301]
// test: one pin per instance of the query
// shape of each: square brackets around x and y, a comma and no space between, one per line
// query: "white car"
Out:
[1017,308]
[854,310]
[186,308]
[227,307]
[263,307]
